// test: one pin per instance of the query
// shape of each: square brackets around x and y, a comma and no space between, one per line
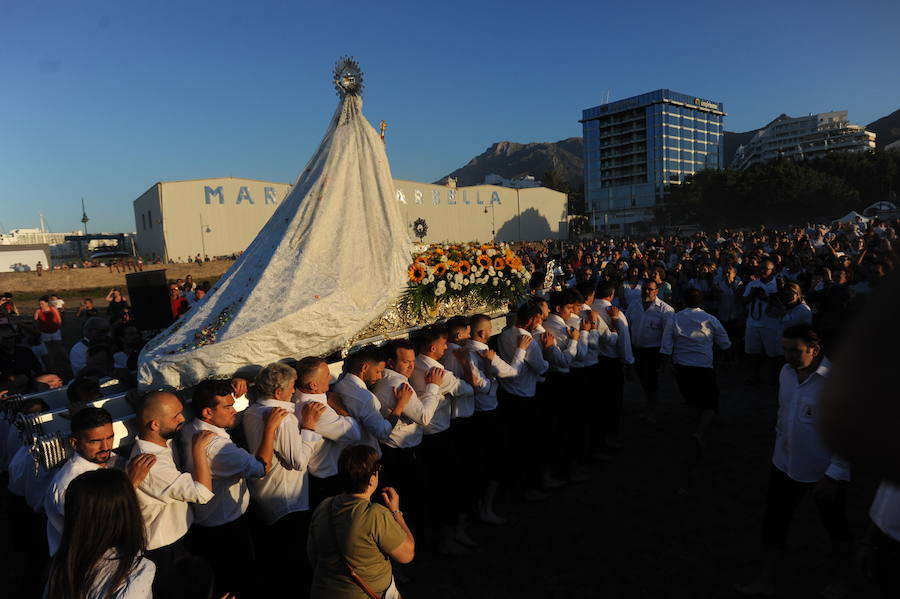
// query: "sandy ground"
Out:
[68,283]
[628,534]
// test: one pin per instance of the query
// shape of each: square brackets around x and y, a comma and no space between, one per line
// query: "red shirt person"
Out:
[178,302]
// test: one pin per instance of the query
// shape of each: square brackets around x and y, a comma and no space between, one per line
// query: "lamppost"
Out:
[204,229]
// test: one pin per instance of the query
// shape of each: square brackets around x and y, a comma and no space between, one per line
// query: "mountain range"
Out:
[566,157]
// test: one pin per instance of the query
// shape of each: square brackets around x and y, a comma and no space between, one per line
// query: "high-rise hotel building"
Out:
[637,148]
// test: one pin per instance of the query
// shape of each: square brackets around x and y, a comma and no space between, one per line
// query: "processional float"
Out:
[329,261]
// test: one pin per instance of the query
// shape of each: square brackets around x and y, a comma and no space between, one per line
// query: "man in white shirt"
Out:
[221,531]
[565,379]
[332,432]
[437,447]
[404,466]
[801,463]
[647,319]
[517,396]
[880,548]
[466,446]
[165,494]
[688,339]
[490,428]
[281,497]
[94,328]
[92,439]
[615,354]
[761,337]
[362,371]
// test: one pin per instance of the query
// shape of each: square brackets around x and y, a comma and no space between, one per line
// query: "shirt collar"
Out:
[824,368]
[148,447]
[429,362]
[274,403]
[202,425]
[557,319]
[316,397]
[80,463]
[355,380]
[393,373]
[477,345]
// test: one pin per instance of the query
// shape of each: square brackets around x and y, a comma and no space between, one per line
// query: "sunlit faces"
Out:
[95,444]
[404,362]
[223,415]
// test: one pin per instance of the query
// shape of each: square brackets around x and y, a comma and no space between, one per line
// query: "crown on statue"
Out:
[348,78]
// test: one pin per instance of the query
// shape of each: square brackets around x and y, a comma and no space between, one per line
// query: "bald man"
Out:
[165,493]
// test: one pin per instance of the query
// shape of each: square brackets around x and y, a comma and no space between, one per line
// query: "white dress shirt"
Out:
[689,337]
[799,450]
[589,341]
[230,466]
[885,510]
[365,408]
[647,324]
[24,483]
[756,314]
[333,433]
[56,495]
[464,406]
[416,415]
[488,373]
[283,490]
[567,349]
[799,314]
[165,494]
[618,345]
[138,584]
[523,384]
[450,387]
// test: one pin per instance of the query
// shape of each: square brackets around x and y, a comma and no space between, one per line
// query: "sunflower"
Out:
[514,262]
[465,269]
[453,266]
[423,259]
[439,251]
[417,272]
[499,263]
[440,269]
[484,261]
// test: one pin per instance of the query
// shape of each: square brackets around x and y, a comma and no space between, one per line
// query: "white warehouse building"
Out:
[176,220]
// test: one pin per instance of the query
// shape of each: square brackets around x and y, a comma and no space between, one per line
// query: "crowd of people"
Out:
[295,468]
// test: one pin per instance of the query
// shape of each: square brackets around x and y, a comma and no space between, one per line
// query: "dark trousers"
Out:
[525,459]
[404,471]
[782,498]
[612,385]
[29,531]
[321,488]
[166,582]
[491,444]
[229,550]
[442,467]
[284,542]
[646,367]
[464,493]
[887,565]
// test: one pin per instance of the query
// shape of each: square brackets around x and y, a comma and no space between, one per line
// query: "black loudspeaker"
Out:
[149,296]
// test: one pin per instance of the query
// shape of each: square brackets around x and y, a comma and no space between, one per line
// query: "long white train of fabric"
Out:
[330,260]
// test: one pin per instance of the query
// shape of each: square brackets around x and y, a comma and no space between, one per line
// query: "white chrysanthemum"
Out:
[430,279]
[457,278]
[500,273]
[495,281]
[491,272]
[491,252]
[465,281]
[443,258]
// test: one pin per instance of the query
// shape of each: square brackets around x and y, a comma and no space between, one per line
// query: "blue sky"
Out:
[101,99]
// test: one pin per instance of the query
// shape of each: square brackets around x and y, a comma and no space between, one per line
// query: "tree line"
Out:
[784,191]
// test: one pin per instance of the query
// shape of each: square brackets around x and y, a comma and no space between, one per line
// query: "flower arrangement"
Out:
[490,274]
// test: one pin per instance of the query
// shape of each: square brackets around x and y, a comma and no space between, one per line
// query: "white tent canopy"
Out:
[851,217]
[330,260]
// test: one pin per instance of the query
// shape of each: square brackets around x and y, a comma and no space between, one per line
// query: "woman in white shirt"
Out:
[100,554]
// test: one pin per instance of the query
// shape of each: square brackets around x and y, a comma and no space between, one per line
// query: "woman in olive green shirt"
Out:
[348,529]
